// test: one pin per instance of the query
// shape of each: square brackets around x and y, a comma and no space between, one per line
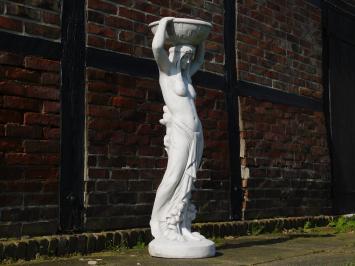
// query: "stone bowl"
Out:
[185,31]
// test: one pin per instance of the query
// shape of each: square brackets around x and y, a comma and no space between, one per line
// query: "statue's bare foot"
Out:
[197,234]
[190,236]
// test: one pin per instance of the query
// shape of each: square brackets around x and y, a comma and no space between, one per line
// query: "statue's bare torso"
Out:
[182,106]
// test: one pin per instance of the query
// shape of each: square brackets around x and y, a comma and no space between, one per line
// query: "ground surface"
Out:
[313,247]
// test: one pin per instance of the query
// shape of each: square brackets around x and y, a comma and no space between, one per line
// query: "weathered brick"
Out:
[102,6]
[41,64]
[11,24]
[23,12]
[41,119]
[42,30]
[13,102]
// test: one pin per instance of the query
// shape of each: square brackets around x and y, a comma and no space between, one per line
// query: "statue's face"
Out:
[185,60]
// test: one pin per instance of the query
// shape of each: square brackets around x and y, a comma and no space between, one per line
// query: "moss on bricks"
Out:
[82,244]
[43,246]
[92,242]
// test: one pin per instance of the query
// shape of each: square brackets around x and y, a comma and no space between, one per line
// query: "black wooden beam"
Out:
[326,92]
[263,93]
[73,115]
[26,45]
[236,191]
[316,3]
[142,67]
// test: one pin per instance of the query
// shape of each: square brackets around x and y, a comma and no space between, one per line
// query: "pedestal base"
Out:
[182,249]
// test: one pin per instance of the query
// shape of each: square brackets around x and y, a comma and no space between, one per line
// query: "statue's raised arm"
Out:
[199,58]
[160,55]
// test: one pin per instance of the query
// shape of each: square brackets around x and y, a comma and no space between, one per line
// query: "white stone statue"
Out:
[172,211]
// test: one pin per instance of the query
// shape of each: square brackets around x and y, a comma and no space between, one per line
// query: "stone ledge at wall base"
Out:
[85,243]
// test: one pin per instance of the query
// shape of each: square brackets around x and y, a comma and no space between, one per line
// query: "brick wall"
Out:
[122,26]
[29,145]
[279,45]
[39,18]
[284,154]
[126,157]
[285,160]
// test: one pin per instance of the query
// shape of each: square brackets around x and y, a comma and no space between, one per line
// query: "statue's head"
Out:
[182,55]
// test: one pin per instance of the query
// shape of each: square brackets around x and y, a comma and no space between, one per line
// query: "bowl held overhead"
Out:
[185,31]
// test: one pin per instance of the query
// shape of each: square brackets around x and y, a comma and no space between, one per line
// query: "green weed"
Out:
[343,224]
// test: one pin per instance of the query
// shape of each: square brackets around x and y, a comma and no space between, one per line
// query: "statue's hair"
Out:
[183,48]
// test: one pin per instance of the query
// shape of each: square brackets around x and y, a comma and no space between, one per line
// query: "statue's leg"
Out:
[177,159]
[186,225]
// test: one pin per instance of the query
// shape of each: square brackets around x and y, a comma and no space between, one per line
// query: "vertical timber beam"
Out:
[326,92]
[236,192]
[73,115]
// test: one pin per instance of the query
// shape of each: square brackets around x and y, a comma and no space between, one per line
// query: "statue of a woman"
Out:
[173,212]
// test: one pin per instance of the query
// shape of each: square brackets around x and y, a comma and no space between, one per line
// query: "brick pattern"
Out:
[122,26]
[126,158]
[285,160]
[279,45]
[29,144]
[37,18]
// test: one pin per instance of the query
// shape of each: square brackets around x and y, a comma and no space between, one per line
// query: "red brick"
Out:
[95,17]
[31,132]
[118,46]
[51,107]
[41,119]
[102,6]
[8,116]
[50,79]
[41,64]
[42,92]
[40,199]
[11,59]
[44,4]
[12,88]
[100,30]
[13,102]
[43,172]
[98,86]
[42,30]
[11,24]
[31,159]
[22,74]
[100,99]
[51,133]
[51,18]
[121,101]
[9,200]
[98,173]
[11,145]
[119,23]
[131,14]
[23,12]
[41,146]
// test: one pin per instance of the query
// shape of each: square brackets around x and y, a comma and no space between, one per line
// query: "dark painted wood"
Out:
[325,79]
[26,45]
[341,92]
[73,115]
[142,67]
[339,28]
[342,6]
[316,3]
[236,191]
[275,96]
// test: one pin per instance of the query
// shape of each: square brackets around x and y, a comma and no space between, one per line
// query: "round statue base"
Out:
[182,249]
